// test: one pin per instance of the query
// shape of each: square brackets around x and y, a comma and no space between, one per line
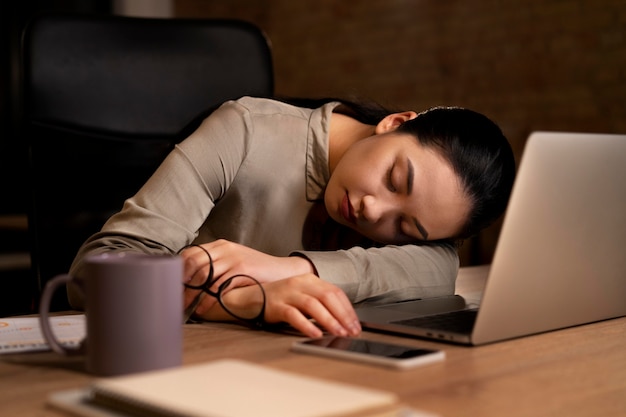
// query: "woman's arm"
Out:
[167,212]
[389,274]
[375,275]
[392,273]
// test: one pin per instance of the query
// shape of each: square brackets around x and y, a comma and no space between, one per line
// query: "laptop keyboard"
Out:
[460,321]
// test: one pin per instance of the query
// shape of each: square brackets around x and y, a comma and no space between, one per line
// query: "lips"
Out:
[347,211]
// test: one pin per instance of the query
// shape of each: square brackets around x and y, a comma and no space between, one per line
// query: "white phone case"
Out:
[428,356]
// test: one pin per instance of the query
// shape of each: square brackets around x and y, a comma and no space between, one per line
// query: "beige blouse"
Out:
[251,174]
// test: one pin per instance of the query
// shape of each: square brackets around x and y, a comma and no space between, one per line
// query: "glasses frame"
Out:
[205,288]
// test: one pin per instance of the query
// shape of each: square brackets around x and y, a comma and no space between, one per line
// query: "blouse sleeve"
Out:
[390,273]
[169,209]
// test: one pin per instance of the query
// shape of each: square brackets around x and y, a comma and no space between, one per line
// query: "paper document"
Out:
[23,334]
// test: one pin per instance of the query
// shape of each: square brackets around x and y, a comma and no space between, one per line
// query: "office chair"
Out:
[105,100]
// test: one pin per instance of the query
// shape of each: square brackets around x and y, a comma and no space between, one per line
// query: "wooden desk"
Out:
[579,371]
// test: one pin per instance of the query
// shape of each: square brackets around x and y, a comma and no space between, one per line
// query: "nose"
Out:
[374,209]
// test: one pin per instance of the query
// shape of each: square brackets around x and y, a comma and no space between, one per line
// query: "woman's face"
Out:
[390,188]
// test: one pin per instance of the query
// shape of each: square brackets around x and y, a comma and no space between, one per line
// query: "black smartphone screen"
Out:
[369,347]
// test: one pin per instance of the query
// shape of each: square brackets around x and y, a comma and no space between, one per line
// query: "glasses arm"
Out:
[240,310]
[191,308]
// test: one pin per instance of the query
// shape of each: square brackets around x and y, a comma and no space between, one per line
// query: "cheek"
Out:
[360,177]
[341,180]
[332,195]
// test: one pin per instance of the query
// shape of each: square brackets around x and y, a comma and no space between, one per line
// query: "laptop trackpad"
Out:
[408,309]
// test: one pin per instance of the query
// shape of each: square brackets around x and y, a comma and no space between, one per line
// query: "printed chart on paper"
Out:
[23,334]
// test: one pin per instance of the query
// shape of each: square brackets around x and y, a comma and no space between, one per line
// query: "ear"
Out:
[392,121]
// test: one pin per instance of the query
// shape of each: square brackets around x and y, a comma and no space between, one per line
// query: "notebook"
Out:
[560,260]
[224,388]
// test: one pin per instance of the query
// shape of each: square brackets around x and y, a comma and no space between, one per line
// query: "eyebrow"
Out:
[409,177]
[409,189]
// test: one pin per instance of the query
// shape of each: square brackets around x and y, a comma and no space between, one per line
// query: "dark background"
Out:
[17,283]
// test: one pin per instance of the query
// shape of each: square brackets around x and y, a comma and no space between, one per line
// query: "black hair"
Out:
[365,111]
[478,152]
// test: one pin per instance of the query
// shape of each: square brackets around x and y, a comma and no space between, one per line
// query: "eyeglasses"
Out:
[251,311]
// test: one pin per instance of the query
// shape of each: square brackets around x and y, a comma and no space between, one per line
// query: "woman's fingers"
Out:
[196,265]
[196,268]
[298,299]
[189,296]
[298,321]
[340,309]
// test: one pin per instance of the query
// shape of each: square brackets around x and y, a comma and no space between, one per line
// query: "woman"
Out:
[274,190]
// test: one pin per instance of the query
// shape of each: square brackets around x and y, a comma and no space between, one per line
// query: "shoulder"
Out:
[256,106]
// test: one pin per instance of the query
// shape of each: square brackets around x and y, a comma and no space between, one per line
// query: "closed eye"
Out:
[402,232]
[409,177]
[390,186]
[400,235]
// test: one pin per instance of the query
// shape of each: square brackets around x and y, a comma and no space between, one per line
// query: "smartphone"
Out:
[369,351]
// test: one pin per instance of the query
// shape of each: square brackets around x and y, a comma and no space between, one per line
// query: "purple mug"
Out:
[134,309]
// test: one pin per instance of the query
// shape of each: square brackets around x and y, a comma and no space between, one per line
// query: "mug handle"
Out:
[44,317]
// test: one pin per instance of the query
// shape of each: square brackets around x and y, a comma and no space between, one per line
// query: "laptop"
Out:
[560,259]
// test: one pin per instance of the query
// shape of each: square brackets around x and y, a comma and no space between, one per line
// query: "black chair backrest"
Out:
[106,98]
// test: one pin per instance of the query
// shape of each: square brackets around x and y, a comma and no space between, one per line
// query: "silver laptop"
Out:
[560,260]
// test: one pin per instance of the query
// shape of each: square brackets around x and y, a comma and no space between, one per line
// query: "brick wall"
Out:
[529,65]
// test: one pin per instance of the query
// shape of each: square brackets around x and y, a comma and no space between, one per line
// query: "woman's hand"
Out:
[296,301]
[230,259]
